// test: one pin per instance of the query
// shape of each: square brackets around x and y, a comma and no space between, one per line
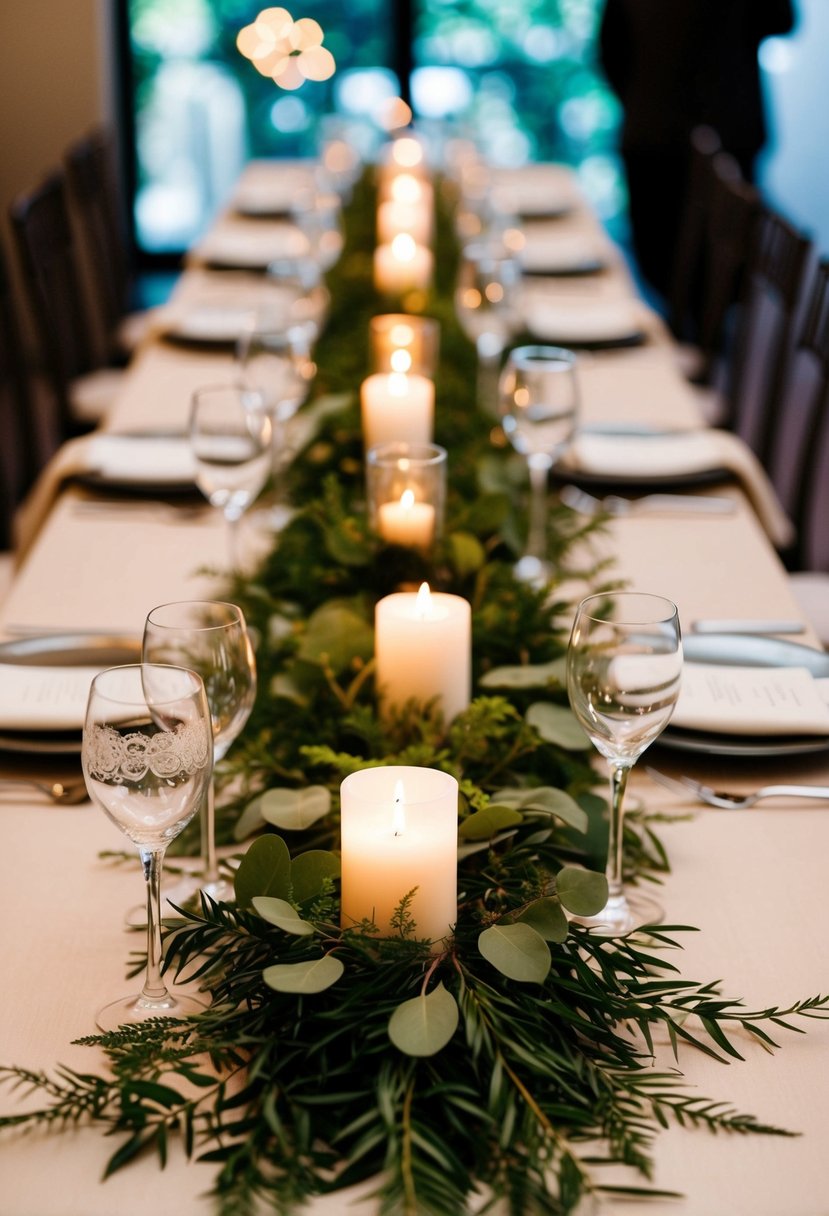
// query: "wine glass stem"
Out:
[154,987]
[490,350]
[208,836]
[233,538]
[618,784]
[537,534]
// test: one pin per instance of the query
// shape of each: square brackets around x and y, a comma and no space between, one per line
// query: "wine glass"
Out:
[230,436]
[538,399]
[275,362]
[301,280]
[624,665]
[319,218]
[486,306]
[147,759]
[211,638]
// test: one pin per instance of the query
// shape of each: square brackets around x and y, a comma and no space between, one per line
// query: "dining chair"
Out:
[92,177]
[767,316]
[84,388]
[685,289]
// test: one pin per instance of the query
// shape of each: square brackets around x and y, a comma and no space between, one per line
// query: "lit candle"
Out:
[397,407]
[402,343]
[394,218]
[402,265]
[403,187]
[423,650]
[407,522]
[399,833]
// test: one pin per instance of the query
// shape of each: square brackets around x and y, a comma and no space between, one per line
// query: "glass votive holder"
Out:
[402,343]
[406,493]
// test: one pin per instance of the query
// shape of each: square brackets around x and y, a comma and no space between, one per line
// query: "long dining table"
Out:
[751,881]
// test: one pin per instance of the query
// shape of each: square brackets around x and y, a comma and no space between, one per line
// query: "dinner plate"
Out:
[618,480]
[165,482]
[62,650]
[730,650]
[210,325]
[601,326]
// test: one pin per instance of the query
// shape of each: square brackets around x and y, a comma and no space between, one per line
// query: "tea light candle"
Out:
[402,265]
[407,522]
[397,407]
[423,650]
[399,832]
[394,218]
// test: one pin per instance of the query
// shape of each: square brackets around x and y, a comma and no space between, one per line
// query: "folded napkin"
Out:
[44,698]
[680,454]
[752,700]
[584,320]
[206,322]
[251,245]
[551,251]
[540,189]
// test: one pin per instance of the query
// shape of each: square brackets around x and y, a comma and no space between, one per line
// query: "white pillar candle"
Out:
[399,832]
[394,218]
[407,522]
[402,266]
[423,650]
[399,342]
[397,407]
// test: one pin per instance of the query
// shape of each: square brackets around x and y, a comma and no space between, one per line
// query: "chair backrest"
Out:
[734,210]
[799,465]
[43,237]
[19,462]
[766,329]
[93,185]
[685,289]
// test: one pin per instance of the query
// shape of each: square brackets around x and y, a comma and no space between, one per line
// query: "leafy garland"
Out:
[329,1057]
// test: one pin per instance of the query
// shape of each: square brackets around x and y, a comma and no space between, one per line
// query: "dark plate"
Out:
[565,271]
[730,650]
[674,481]
[62,650]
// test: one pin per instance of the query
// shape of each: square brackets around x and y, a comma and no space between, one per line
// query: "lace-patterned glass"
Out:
[211,638]
[147,760]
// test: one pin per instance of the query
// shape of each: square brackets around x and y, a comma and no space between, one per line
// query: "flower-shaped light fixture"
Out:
[289,52]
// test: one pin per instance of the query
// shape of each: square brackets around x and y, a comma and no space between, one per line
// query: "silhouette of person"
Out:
[674,65]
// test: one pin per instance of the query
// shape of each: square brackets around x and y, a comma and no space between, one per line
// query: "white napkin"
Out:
[683,453]
[251,245]
[752,700]
[584,320]
[44,698]
[539,189]
[140,459]
[554,251]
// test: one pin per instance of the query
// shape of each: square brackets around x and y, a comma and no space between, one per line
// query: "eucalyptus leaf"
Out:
[517,951]
[348,544]
[483,824]
[314,975]
[466,553]
[310,870]
[336,634]
[547,918]
[295,810]
[545,798]
[264,870]
[557,724]
[583,892]
[282,914]
[528,675]
[425,1024]
[250,820]
[284,685]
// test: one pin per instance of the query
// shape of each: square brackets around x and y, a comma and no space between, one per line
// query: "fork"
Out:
[586,504]
[735,802]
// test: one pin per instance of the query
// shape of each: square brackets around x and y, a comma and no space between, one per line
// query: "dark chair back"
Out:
[93,184]
[43,237]
[686,281]
[19,463]
[766,329]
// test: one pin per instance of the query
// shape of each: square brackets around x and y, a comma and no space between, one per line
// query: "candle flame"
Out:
[404,247]
[401,334]
[398,810]
[405,189]
[407,500]
[398,384]
[423,603]
[406,152]
[401,361]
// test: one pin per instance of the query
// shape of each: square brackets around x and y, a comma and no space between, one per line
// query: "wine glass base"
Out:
[532,570]
[623,914]
[137,1009]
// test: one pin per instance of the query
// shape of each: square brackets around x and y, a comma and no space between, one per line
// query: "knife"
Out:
[725,625]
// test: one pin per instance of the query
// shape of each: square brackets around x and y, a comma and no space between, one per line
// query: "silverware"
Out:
[735,802]
[67,793]
[183,513]
[724,625]
[681,504]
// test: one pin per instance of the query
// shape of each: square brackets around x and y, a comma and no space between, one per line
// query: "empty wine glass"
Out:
[308,298]
[147,759]
[275,362]
[230,435]
[487,310]
[211,638]
[624,664]
[319,218]
[538,398]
